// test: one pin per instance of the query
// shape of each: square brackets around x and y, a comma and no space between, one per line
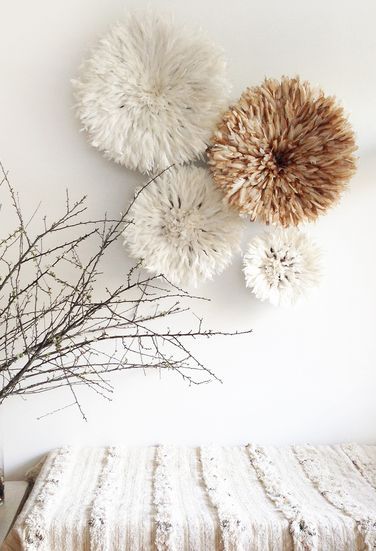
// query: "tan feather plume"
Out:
[284,153]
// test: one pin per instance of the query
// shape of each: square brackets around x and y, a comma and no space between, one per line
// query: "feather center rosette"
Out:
[151,92]
[281,266]
[180,227]
[284,153]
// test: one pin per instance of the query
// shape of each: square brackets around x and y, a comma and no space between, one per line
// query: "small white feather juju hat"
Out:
[281,265]
[181,228]
[151,92]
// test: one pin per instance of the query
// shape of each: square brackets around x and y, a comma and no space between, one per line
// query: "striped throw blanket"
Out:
[245,498]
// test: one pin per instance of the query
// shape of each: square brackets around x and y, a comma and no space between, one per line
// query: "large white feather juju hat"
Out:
[151,92]
[180,227]
[281,265]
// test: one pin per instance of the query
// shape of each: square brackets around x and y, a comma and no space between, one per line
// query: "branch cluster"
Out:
[54,326]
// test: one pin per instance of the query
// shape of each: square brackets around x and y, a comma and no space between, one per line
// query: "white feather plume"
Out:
[281,265]
[181,228]
[151,92]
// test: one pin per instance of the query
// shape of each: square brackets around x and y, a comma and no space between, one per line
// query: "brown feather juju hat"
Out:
[283,153]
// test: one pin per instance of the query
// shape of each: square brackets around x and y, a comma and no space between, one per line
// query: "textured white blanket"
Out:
[202,499]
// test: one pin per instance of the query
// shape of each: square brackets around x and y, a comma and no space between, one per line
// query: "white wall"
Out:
[306,373]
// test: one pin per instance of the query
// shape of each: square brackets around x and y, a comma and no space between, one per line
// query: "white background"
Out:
[306,374]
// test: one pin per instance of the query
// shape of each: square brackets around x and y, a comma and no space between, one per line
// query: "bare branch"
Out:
[61,326]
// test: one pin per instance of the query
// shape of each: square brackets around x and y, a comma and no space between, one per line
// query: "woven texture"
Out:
[246,498]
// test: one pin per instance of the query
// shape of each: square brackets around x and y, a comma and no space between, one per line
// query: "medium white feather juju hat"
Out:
[281,265]
[181,228]
[151,92]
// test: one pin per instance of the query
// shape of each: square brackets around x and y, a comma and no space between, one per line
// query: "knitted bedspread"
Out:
[202,499]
